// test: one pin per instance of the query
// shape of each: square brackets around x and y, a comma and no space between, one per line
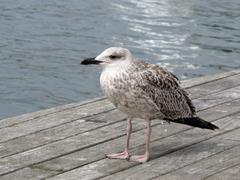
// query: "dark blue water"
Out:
[42,43]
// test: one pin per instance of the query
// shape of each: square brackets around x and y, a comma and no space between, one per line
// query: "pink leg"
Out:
[145,156]
[125,153]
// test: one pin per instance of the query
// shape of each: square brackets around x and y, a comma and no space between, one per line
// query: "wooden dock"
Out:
[70,142]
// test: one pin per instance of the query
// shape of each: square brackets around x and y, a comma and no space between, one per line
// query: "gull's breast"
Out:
[122,90]
[112,85]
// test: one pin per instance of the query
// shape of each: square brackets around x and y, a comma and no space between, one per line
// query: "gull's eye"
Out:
[113,57]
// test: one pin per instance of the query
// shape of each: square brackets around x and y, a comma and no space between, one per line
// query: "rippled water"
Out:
[42,43]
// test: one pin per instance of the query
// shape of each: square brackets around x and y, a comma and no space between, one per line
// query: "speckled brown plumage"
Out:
[157,88]
[145,91]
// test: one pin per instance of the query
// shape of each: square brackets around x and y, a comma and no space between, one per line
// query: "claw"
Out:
[122,155]
[140,158]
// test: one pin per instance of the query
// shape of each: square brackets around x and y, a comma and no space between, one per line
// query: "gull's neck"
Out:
[118,66]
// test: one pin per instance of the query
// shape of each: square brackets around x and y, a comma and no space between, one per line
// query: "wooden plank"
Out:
[28,174]
[38,114]
[167,154]
[53,120]
[60,146]
[214,86]
[35,115]
[63,131]
[232,173]
[206,167]
[217,98]
[209,78]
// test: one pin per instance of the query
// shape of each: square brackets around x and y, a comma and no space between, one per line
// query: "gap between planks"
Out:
[231,173]
[206,167]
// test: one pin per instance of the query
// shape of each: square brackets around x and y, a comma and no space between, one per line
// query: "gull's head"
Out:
[110,56]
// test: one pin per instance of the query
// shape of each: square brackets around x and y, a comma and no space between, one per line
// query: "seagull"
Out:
[145,91]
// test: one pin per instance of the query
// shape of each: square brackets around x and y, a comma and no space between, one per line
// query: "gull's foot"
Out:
[140,158]
[122,155]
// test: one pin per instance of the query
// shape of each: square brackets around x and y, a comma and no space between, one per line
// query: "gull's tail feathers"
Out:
[195,122]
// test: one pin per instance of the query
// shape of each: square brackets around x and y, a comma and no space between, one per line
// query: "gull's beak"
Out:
[90,61]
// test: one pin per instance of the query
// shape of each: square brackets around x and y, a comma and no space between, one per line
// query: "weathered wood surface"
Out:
[70,142]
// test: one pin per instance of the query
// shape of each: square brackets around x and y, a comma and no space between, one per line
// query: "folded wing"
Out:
[164,90]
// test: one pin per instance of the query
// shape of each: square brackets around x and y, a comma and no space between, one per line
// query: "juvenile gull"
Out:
[145,91]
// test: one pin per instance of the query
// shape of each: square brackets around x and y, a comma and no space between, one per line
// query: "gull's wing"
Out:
[162,87]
